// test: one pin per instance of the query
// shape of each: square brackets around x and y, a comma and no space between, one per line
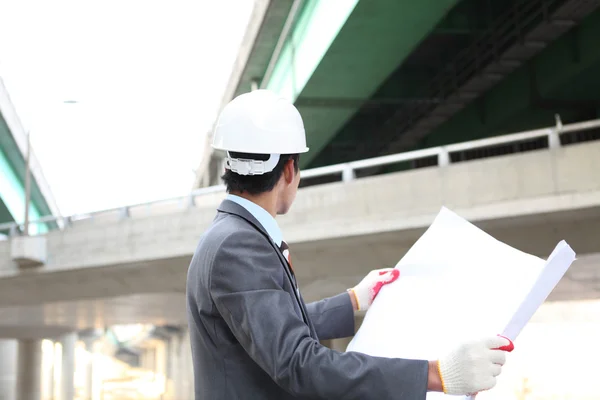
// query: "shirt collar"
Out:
[262,216]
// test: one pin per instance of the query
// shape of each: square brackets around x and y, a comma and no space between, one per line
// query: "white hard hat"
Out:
[259,122]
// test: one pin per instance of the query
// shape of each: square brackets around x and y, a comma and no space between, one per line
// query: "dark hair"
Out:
[257,184]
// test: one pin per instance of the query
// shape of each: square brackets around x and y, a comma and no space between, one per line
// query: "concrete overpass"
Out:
[129,265]
[417,75]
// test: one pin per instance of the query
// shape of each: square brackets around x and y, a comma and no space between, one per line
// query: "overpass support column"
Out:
[49,359]
[29,370]
[67,378]
[89,369]
[174,377]
[8,369]
[160,369]
[148,359]
[186,365]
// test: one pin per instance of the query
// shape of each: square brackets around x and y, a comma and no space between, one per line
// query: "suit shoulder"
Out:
[228,230]
[237,247]
[231,234]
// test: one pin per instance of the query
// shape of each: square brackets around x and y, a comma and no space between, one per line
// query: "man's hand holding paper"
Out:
[473,366]
[475,287]
[364,293]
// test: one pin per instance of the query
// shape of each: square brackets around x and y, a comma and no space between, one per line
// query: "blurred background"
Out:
[107,179]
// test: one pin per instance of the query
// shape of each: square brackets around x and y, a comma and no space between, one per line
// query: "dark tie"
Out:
[285,249]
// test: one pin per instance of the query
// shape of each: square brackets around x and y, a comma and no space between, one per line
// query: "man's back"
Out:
[222,367]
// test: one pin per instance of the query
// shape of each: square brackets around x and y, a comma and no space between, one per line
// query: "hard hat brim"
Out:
[240,150]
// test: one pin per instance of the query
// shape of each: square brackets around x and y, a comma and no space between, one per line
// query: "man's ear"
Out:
[289,172]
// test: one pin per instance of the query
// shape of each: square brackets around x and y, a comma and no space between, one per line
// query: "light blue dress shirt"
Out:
[262,216]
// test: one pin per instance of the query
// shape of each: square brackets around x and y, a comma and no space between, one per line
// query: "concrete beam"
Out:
[55,319]
[530,200]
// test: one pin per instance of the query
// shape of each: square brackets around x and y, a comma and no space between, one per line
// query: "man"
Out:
[252,335]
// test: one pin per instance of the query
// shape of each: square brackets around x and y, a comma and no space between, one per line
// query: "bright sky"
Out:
[148,77]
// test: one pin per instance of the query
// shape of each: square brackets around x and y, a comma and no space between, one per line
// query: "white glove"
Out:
[474,366]
[365,292]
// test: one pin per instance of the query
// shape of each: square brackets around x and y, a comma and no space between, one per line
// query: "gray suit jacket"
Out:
[253,337]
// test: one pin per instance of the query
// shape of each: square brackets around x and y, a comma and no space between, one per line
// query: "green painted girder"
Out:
[5,215]
[567,70]
[398,88]
[12,183]
[320,60]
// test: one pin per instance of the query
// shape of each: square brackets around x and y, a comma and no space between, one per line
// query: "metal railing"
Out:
[347,171]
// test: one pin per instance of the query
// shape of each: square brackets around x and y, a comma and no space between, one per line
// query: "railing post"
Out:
[553,139]
[348,174]
[443,157]
[191,201]
[124,213]
[554,133]
[13,231]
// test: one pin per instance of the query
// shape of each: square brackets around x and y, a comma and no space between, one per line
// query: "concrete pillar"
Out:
[89,369]
[148,359]
[48,362]
[174,376]
[144,359]
[187,371]
[29,369]
[8,369]
[152,358]
[67,378]
[160,368]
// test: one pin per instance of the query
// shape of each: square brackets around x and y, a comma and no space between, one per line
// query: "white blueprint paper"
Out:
[457,283]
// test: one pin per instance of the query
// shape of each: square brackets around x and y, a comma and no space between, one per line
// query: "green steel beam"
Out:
[5,215]
[16,160]
[320,58]
[12,184]
[315,30]
[566,70]
[407,84]
[467,18]
[12,193]
[382,33]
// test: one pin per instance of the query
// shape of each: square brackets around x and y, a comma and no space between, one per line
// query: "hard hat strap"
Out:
[244,166]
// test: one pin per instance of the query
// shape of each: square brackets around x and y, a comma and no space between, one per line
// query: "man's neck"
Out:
[266,200]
